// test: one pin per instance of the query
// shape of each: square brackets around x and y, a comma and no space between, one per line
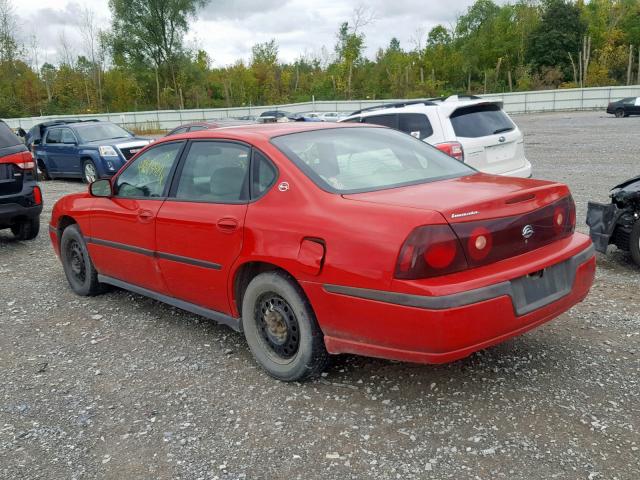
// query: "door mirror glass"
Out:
[100,188]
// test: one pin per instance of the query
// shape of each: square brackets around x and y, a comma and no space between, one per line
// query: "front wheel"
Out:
[634,243]
[89,172]
[281,328]
[26,229]
[78,267]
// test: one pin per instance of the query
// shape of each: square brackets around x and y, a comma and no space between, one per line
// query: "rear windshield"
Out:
[7,137]
[351,160]
[480,121]
[101,131]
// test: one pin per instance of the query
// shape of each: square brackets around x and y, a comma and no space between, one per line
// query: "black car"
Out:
[618,223]
[625,107]
[20,196]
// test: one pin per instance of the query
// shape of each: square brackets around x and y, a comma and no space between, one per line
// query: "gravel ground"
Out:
[120,386]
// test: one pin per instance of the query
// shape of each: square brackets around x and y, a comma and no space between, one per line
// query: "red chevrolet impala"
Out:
[318,238]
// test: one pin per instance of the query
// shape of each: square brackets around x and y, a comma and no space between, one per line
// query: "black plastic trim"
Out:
[222,318]
[150,253]
[510,288]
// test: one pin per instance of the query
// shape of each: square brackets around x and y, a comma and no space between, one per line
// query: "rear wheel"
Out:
[634,243]
[26,229]
[281,328]
[78,267]
[619,113]
[89,172]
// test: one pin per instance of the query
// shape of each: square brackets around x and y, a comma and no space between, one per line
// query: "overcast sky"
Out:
[227,29]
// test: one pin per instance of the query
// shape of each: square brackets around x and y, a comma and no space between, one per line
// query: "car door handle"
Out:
[145,215]
[227,225]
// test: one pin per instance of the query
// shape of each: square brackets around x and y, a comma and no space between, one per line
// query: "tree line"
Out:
[141,62]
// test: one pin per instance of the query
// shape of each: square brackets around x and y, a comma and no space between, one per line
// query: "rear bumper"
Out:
[12,212]
[522,172]
[439,329]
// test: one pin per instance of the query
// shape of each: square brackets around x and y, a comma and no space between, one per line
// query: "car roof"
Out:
[446,105]
[263,131]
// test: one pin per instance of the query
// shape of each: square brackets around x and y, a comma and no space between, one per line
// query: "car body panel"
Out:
[325,240]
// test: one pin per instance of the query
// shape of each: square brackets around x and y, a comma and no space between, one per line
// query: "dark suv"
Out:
[20,196]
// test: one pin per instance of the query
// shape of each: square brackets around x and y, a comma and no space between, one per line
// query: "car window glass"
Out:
[415,124]
[197,128]
[384,120]
[178,131]
[637,103]
[352,120]
[54,136]
[215,172]
[350,160]
[480,121]
[264,174]
[7,137]
[147,176]
[629,101]
[67,136]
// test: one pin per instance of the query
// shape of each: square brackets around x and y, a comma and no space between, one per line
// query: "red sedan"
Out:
[317,238]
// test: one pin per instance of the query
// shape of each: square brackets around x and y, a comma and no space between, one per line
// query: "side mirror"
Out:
[101,188]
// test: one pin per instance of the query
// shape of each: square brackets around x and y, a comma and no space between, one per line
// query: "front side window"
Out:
[215,172]
[197,128]
[178,131]
[148,175]
[480,121]
[350,160]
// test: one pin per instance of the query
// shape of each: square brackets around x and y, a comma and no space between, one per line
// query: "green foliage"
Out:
[493,47]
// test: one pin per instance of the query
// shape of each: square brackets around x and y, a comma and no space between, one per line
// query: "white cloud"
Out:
[227,29]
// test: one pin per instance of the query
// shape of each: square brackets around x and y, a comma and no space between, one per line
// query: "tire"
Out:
[619,113]
[78,267]
[89,172]
[26,229]
[281,328]
[634,243]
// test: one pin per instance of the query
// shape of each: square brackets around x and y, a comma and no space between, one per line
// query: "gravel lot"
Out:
[120,386]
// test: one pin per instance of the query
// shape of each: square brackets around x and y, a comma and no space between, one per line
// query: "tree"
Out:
[559,33]
[153,30]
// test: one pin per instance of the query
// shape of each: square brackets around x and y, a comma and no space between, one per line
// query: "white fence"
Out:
[519,102]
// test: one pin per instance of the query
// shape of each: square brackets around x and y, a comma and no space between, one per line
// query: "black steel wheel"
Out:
[619,113]
[634,243]
[278,325]
[78,267]
[281,328]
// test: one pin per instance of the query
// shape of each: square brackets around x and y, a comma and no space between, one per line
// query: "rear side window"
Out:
[264,174]
[352,120]
[390,121]
[54,136]
[215,172]
[147,176]
[415,124]
[197,128]
[7,137]
[480,121]
[629,101]
[178,131]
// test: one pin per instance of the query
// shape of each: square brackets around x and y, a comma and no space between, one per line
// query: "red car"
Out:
[317,238]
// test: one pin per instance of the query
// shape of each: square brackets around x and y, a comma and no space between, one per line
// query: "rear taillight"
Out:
[25,161]
[37,195]
[453,149]
[430,251]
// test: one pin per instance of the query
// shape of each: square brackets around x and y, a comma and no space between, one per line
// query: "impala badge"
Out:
[527,232]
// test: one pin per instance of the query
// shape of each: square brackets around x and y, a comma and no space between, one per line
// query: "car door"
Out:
[48,152]
[200,226]
[123,227]
[67,157]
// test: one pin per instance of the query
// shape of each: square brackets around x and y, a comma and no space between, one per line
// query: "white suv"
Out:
[468,128]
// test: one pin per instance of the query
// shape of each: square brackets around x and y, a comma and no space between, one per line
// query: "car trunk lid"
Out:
[512,215]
